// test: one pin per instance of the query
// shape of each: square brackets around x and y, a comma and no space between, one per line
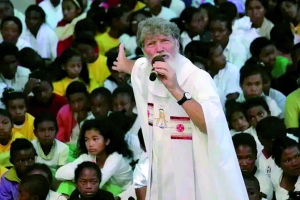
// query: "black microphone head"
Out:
[157,58]
[153,76]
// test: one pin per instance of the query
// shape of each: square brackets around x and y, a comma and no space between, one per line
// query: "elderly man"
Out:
[186,135]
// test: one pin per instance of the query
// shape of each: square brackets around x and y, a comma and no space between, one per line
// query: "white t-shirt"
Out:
[166,13]
[276,177]
[279,98]
[265,183]
[110,85]
[177,6]
[21,78]
[22,43]
[132,139]
[55,196]
[53,14]
[141,172]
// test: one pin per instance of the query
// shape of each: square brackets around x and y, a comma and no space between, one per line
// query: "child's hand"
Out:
[123,64]
[32,82]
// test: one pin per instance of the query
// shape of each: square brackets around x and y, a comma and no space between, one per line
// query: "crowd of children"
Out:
[69,127]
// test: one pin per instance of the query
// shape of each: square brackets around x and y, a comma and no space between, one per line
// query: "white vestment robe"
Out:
[184,162]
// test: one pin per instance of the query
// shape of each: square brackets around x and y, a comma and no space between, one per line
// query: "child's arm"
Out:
[5,192]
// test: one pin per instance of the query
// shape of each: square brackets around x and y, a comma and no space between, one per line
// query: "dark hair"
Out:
[256,101]
[113,13]
[42,75]
[87,165]
[279,2]
[31,59]
[44,168]
[36,185]
[139,12]
[141,139]
[10,94]
[15,20]
[42,117]
[282,36]
[108,130]
[64,58]
[18,145]
[258,44]
[111,55]
[84,38]
[271,128]
[5,113]
[249,70]
[124,89]
[253,179]
[85,25]
[7,48]
[280,145]
[210,9]
[103,92]
[205,49]
[232,107]
[8,2]
[245,139]
[262,2]
[228,9]
[76,87]
[186,16]
[98,15]
[192,48]
[38,9]
[199,59]
[223,18]
[124,123]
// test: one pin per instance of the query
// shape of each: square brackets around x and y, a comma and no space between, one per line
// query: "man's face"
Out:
[33,21]
[162,45]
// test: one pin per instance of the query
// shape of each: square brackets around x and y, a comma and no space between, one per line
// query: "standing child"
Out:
[87,179]
[7,136]
[71,66]
[99,142]
[50,151]
[16,104]
[101,102]
[22,156]
[34,187]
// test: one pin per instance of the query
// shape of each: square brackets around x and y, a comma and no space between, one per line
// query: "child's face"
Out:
[95,142]
[78,102]
[217,59]
[9,66]
[70,10]
[33,21]
[197,24]
[17,109]
[246,158]
[5,128]
[255,114]
[268,56]
[23,160]
[219,32]
[239,122]
[6,10]
[256,12]
[88,52]
[10,32]
[290,161]
[100,106]
[43,92]
[289,10]
[73,67]
[252,86]
[88,183]
[45,132]
[123,102]
[252,190]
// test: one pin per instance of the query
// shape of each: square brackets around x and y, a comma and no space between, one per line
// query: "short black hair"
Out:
[10,94]
[229,9]
[223,18]
[124,89]
[36,185]
[85,25]
[30,59]
[252,178]
[18,145]
[113,13]
[76,87]
[282,35]
[205,49]
[7,48]
[245,139]
[103,92]
[42,117]
[254,102]
[258,44]
[263,3]
[8,2]
[280,145]
[44,168]
[192,48]
[42,75]
[186,15]
[87,165]
[232,107]
[200,60]
[84,38]
[5,113]
[271,128]
[249,70]
[38,9]
[111,55]
[15,20]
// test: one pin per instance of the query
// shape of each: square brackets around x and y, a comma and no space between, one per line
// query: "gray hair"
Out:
[156,26]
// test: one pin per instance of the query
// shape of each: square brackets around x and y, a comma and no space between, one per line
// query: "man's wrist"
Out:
[177,93]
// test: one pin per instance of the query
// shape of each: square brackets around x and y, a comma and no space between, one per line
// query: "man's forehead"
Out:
[158,36]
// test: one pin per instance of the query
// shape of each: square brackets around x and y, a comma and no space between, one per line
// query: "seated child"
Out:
[245,147]
[99,143]
[253,188]
[44,170]
[31,60]
[285,179]
[252,85]
[50,151]
[87,179]
[43,99]
[87,45]
[22,156]
[69,67]
[6,138]
[101,102]
[123,100]
[16,104]
[34,187]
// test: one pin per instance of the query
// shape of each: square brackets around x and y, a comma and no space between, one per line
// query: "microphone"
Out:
[154,74]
